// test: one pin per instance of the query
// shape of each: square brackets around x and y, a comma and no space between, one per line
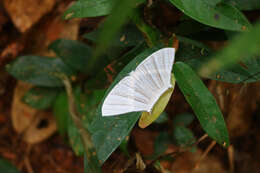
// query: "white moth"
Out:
[141,89]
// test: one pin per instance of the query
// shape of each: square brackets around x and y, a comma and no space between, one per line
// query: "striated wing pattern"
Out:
[142,88]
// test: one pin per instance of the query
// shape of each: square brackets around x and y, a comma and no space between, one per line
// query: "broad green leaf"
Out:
[202,102]
[89,8]
[109,132]
[214,13]
[152,35]
[245,4]
[183,119]
[7,167]
[242,47]
[40,97]
[73,53]
[40,71]
[113,24]
[183,136]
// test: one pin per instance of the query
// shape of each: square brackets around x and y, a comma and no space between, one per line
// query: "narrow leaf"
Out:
[89,8]
[113,23]
[243,46]
[245,4]
[202,102]
[214,13]
[195,54]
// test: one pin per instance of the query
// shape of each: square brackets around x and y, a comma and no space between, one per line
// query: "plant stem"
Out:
[91,154]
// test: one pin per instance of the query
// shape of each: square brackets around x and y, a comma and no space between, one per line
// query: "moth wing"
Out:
[142,88]
[157,68]
[125,97]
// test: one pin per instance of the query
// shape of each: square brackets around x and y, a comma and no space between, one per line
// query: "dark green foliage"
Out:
[202,102]
[40,97]
[40,71]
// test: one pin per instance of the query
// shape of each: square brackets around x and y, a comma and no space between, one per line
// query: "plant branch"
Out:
[93,163]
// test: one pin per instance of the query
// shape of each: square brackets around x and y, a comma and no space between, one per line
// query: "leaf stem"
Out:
[91,154]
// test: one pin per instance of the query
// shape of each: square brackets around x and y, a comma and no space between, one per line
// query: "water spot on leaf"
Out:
[216,16]
[68,16]
[213,119]
[122,38]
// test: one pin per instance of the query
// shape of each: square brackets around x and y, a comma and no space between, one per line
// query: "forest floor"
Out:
[27,29]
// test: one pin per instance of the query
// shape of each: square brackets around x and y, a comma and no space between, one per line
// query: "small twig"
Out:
[84,134]
[231,159]
[213,143]
[28,165]
[58,168]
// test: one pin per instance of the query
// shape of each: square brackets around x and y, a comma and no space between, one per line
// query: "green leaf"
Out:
[75,138]
[242,47]
[152,35]
[214,13]
[89,8]
[109,132]
[195,54]
[245,4]
[127,36]
[61,114]
[73,53]
[7,167]
[123,146]
[40,97]
[238,74]
[40,71]
[162,118]
[102,78]
[183,119]
[191,51]
[113,24]
[183,136]
[161,143]
[86,105]
[202,102]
